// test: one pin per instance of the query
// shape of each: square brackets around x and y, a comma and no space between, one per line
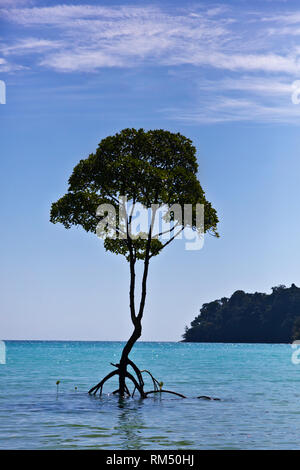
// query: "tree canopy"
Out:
[249,318]
[154,167]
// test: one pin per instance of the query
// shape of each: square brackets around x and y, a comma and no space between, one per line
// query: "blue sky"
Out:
[220,73]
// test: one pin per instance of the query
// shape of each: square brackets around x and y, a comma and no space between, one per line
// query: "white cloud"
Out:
[90,37]
[94,36]
[251,62]
[237,110]
[291,17]
[243,98]
[63,14]
[32,45]
[217,40]
[6,67]
[256,85]
[14,3]
[82,60]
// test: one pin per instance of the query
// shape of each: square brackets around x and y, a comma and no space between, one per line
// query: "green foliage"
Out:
[249,318]
[154,167]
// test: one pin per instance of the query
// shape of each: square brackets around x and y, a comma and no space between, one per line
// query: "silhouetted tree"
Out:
[150,168]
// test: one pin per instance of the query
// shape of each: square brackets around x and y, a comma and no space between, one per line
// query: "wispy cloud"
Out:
[290,17]
[14,3]
[94,36]
[6,67]
[250,53]
[236,110]
[91,37]
[251,62]
[28,45]
[243,98]
[256,85]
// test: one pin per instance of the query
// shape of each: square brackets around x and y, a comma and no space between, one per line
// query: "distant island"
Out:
[249,318]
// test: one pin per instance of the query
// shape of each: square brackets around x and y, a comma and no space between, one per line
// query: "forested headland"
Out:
[249,318]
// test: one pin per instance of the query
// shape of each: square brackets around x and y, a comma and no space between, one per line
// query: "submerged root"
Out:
[138,383]
[204,397]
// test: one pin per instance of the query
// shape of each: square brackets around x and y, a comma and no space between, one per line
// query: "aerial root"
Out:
[165,391]
[138,382]
[154,380]
[95,389]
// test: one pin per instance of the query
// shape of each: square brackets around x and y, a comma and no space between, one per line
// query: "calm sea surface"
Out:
[259,387]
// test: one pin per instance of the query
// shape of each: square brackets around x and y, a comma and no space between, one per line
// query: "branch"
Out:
[169,241]
[132,260]
[146,266]
[128,222]
[112,197]
[166,231]
[117,229]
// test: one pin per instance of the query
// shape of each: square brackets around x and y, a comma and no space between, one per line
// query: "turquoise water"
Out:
[258,385]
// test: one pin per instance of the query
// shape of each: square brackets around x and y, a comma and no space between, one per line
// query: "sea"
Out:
[258,386]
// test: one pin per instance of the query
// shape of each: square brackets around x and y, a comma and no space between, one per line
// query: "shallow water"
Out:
[258,385]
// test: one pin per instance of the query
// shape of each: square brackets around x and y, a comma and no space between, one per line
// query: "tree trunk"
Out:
[124,358]
[136,319]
